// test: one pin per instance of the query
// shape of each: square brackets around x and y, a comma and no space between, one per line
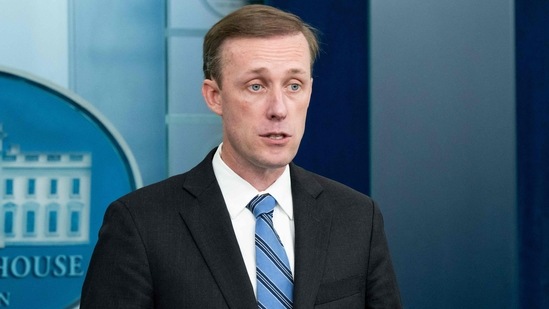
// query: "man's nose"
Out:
[277,105]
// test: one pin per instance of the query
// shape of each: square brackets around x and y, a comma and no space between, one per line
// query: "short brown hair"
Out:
[252,21]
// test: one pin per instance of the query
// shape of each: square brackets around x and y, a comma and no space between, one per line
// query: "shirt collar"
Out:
[237,192]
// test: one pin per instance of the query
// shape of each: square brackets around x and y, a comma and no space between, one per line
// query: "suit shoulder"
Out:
[158,189]
[199,177]
[332,188]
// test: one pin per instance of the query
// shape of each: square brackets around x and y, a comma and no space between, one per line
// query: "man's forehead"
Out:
[266,37]
[285,54]
[277,48]
[296,40]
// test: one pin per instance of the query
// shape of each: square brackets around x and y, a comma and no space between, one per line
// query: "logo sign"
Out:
[61,163]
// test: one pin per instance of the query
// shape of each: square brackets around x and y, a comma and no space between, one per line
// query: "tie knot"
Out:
[261,204]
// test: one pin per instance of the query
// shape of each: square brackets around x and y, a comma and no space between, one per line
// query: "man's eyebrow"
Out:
[297,71]
[262,69]
[257,71]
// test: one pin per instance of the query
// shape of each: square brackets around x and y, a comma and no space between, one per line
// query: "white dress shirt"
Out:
[237,193]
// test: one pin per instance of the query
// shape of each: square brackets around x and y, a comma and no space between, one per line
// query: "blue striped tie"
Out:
[275,284]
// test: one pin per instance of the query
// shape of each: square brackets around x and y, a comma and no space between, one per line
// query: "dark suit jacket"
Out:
[172,245]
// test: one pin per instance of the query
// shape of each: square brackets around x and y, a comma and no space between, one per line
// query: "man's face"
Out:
[266,88]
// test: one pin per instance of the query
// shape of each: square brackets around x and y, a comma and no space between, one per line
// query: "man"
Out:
[193,240]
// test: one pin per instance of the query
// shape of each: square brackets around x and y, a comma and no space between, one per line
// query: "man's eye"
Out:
[255,87]
[295,87]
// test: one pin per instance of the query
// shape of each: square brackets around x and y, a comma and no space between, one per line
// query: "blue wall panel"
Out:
[443,149]
[532,63]
[118,64]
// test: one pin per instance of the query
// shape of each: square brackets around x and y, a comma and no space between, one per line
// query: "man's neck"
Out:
[260,178]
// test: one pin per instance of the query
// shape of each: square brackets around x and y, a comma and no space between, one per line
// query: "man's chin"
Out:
[276,163]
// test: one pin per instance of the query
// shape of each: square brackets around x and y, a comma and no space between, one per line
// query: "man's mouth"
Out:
[276,136]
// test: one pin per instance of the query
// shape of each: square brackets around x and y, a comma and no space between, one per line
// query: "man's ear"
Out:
[212,95]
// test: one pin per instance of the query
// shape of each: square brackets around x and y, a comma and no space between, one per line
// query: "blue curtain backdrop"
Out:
[532,69]
[336,141]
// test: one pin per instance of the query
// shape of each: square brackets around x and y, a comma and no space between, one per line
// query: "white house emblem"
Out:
[61,164]
[44,197]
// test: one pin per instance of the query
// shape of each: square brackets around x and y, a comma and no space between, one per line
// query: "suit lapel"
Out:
[312,229]
[209,222]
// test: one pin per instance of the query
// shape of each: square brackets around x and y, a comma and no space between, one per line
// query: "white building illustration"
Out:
[44,197]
